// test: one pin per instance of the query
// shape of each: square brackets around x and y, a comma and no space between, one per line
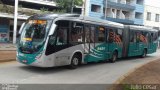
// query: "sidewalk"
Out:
[7,52]
[7,47]
[147,75]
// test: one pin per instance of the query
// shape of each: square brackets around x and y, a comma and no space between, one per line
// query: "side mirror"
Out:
[52,29]
[21,29]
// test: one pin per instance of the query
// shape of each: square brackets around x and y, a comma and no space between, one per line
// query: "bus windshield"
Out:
[34,35]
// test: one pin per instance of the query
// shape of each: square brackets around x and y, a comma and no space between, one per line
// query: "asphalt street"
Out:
[93,73]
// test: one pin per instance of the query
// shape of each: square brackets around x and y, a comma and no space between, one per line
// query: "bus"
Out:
[68,39]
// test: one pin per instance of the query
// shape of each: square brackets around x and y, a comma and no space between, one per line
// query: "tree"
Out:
[5,8]
[68,5]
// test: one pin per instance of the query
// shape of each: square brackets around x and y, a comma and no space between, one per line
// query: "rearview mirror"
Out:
[21,29]
[52,29]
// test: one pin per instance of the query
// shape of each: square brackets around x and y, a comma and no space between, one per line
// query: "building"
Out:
[26,8]
[122,11]
[152,14]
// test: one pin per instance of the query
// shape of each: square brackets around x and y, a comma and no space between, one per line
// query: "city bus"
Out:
[70,40]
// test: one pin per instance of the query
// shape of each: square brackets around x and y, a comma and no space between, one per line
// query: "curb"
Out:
[7,49]
[128,73]
[7,60]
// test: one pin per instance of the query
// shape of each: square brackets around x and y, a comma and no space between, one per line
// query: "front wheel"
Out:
[114,57]
[74,62]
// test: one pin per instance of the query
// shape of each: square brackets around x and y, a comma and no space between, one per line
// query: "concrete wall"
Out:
[152,6]
[117,11]
[140,10]
[89,4]
[154,11]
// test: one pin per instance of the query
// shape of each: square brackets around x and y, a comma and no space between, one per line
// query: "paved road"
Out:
[94,73]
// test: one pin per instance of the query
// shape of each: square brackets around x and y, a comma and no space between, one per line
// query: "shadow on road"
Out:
[134,58]
[43,70]
[89,66]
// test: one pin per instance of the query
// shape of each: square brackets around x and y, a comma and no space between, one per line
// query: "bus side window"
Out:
[143,37]
[52,39]
[76,33]
[93,39]
[135,37]
[152,37]
[62,32]
[61,36]
[149,37]
[111,36]
[155,36]
[101,34]
[131,36]
[138,36]
[118,36]
[87,33]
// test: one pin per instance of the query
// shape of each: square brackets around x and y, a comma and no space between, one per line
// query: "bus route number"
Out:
[101,48]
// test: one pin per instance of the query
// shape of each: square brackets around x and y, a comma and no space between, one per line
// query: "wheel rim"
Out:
[75,61]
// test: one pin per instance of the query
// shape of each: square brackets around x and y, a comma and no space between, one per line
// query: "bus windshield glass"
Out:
[34,35]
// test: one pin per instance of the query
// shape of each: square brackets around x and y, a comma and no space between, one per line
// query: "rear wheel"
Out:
[114,57]
[74,62]
[144,53]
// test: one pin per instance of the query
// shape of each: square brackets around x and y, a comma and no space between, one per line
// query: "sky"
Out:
[155,3]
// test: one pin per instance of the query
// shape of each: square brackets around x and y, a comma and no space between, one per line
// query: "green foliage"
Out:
[67,4]
[63,3]
[44,9]
[6,9]
[78,2]
[59,11]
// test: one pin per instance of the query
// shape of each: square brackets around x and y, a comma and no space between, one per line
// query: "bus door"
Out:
[61,43]
[111,40]
[95,45]
[139,43]
[102,45]
[115,41]
[107,44]
[133,46]
[89,41]
[150,42]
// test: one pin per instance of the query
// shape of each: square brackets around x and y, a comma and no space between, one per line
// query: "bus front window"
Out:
[34,35]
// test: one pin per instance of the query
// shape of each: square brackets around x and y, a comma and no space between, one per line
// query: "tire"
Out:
[144,53]
[114,57]
[74,62]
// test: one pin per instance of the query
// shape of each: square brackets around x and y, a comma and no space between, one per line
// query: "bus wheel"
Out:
[144,53]
[114,57]
[74,62]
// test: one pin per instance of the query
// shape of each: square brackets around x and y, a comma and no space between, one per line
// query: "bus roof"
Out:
[101,22]
[52,16]
[78,17]
[92,20]
[142,28]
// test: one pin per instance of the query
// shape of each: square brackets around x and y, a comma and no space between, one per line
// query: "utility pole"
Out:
[105,14]
[15,21]
[83,7]
[72,6]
